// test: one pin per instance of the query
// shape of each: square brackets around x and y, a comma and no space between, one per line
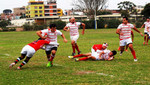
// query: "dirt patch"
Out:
[19,29]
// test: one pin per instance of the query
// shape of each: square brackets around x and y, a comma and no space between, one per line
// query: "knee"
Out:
[53,52]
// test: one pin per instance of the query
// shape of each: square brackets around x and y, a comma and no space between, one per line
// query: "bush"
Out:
[28,27]
[89,24]
[60,24]
[113,23]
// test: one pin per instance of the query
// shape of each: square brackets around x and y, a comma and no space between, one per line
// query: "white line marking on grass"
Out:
[105,74]
[59,65]
[4,55]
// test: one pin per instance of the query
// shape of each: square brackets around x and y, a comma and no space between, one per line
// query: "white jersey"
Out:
[146,25]
[149,29]
[106,54]
[126,30]
[73,28]
[52,36]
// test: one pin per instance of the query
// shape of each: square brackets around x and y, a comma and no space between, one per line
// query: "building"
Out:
[35,9]
[51,8]
[59,12]
[19,11]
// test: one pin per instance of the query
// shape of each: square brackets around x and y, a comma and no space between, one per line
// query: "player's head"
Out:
[69,19]
[125,20]
[148,19]
[104,46]
[72,20]
[112,53]
[53,27]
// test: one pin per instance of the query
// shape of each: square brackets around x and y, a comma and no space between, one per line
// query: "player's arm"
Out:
[137,31]
[39,34]
[110,58]
[65,28]
[132,36]
[142,26]
[101,55]
[118,32]
[83,25]
[63,36]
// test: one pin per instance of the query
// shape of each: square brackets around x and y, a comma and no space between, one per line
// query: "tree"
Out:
[146,10]
[127,6]
[89,7]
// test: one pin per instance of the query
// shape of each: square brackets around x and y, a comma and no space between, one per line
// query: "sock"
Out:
[52,57]
[73,47]
[18,59]
[77,48]
[85,58]
[23,63]
[133,53]
[80,55]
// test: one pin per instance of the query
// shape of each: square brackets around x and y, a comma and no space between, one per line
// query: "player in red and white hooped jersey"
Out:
[148,30]
[146,36]
[51,48]
[29,51]
[74,34]
[124,31]
[101,55]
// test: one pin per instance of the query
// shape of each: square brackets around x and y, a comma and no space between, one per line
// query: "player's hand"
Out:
[82,32]
[65,40]
[141,34]
[120,33]
[68,30]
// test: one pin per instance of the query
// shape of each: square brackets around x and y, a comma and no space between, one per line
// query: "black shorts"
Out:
[146,33]
[49,52]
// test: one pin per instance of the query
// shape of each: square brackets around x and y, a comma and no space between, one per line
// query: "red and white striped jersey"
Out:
[97,47]
[73,28]
[148,29]
[51,36]
[126,30]
[146,25]
[106,54]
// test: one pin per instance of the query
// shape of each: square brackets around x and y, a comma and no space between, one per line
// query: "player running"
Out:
[51,48]
[148,30]
[101,55]
[124,31]
[29,51]
[146,36]
[74,34]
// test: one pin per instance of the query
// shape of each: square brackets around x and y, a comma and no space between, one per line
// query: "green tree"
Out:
[128,6]
[146,10]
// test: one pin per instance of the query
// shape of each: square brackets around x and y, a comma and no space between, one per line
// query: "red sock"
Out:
[73,48]
[133,53]
[51,58]
[80,55]
[85,58]
[77,48]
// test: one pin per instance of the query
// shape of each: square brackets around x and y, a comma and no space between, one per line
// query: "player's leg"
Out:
[121,49]
[17,60]
[86,58]
[122,45]
[30,53]
[80,55]
[77,48]
[132,51]
[24,62]
[126,48]
[73,47]
[145,38]
[50,64]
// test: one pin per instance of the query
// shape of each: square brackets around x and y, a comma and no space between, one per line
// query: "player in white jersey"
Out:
[148,30]
[124,31]
[52,34]
[99,55]
[146,36]
[74,34]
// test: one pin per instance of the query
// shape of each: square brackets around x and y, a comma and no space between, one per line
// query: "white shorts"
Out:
[125,42]
[49,47]
[75,38]
[28,50]
[94,54]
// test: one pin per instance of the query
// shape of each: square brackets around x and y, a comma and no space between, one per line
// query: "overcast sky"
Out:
[64,4]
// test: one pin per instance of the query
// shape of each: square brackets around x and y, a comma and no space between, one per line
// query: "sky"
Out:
[63,4]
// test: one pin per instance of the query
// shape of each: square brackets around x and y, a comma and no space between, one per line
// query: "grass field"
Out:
[121,71]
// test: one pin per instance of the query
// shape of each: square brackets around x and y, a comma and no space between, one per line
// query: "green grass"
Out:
[121,71]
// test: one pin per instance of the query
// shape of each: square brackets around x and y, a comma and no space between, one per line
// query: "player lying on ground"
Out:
[124,31]
[146,36]
[29,51]
[101,55]
[132,34]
